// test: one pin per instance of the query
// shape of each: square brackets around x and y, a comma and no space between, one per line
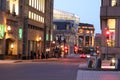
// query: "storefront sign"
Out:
[2,30]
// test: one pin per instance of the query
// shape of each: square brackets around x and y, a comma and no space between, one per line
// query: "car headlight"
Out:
[88,56]
[113,60]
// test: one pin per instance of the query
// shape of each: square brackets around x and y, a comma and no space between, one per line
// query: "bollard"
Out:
[90,63]
[98,64]
[117,65]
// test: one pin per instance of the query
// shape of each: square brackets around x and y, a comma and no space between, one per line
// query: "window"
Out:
[111,25]
[30,2]
[67,27]
[113,2]
[87,31]
[29,14]
[13,6]
[80,30]
[8,5]
[54,27]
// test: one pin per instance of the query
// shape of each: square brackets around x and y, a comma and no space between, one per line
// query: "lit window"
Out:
[35,4]
[111,25]
[80,31]
[54,27]
[39,5]
[114,3]
[32,15]
[91,31]
[30,2]
[29,14]
[13,6]
[87,31]
[43,19]
[39,18]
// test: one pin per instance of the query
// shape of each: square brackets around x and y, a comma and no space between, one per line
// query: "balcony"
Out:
[110,11]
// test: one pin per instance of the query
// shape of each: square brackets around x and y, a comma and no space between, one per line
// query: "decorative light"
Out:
[8,28]
[12,46]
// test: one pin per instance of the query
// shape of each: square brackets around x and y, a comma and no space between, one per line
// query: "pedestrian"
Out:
[42,56]
[34,55]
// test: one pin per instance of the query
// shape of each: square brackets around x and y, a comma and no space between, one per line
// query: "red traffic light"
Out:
[75,49]
[107,32]
[65,47]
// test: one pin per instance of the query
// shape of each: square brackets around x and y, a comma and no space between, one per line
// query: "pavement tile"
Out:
[98,75]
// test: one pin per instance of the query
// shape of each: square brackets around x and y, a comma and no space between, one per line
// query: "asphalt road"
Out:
[53,70]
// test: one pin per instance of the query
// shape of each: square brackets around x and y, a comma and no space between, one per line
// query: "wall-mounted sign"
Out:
[2,31]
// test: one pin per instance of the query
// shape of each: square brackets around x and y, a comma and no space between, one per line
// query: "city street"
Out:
[65,69]
[53,69]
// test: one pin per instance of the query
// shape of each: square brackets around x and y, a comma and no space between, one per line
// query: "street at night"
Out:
[53,69]
[44,70]
[49,40]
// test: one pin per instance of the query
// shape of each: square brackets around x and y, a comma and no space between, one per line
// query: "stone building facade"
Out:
[110,21]
[85,35]
[23,27]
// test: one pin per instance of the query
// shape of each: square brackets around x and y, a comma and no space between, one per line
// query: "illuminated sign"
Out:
[47,37]
[20,33]
[2,30]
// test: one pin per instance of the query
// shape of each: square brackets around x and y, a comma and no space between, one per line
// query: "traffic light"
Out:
[75,49]
[65,49]
[107,34]
[97,50]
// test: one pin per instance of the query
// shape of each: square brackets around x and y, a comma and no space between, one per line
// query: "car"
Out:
[83,55]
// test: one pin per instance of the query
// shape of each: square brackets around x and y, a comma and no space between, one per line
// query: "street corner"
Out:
[7,61]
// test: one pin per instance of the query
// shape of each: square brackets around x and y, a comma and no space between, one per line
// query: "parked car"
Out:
[83,55]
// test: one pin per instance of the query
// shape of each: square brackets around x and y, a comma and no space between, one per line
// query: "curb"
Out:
[92,69]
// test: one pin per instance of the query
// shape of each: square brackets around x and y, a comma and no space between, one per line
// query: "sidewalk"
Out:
[33,60]
[98,75]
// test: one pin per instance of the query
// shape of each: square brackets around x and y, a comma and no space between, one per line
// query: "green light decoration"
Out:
[47,37]
[20,33]
[2,31]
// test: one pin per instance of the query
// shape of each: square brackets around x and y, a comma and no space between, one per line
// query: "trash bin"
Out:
[90,63]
